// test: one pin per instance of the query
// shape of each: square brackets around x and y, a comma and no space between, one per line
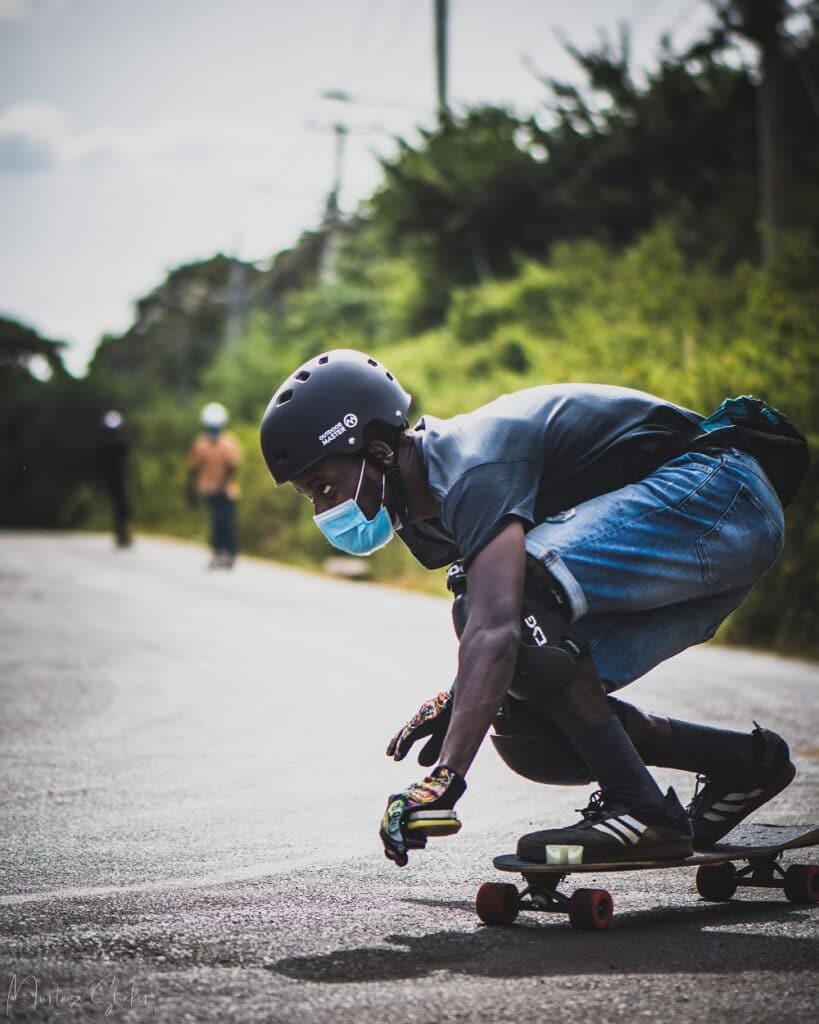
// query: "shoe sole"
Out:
[785,778]
[673,849]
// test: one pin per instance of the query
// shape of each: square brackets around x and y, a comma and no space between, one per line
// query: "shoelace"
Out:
[596,807]
[700,795]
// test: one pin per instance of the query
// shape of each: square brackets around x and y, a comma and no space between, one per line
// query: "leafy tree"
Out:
[461,204]
[48,426]
[605,161]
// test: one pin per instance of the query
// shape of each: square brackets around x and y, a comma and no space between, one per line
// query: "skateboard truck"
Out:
[757,848]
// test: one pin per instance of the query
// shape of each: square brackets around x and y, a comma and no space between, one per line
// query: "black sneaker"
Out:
[719,804]
[612,831]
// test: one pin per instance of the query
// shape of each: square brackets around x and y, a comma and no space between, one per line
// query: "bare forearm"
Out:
[486,664]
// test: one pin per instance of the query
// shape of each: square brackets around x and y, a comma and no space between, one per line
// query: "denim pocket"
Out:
[741,545]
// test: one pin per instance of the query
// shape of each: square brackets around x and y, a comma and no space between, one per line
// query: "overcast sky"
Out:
[135,136]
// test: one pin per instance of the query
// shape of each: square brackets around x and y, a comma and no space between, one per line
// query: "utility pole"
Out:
[761,21]
[331,221]
[771,117]
[236,301]
[441,17]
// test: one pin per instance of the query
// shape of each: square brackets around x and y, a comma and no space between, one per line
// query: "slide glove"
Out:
[431,719]
[439,791]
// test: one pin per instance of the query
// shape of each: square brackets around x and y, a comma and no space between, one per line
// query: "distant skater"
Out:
[112,453]
[213,462]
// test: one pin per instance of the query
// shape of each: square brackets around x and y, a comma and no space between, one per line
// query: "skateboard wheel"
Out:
[717,881]
[802,883]
[497,903]
[590,910]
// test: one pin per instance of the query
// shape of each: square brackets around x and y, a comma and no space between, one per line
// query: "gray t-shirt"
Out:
[533,454]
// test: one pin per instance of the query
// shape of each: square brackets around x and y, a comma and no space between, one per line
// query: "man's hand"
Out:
[431,719]
[440,790]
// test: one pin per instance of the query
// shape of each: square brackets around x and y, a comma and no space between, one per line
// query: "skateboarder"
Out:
[112,452]
[213,460]
[601,530]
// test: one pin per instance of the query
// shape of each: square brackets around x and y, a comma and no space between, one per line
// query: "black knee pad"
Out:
[532,745]
[549,651]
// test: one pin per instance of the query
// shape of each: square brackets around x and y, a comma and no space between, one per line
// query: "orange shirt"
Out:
[212,458]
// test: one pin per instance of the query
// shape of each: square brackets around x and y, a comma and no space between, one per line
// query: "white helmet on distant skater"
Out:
[214,416]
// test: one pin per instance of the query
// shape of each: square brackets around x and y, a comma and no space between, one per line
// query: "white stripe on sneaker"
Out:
[614,825]
[732,803]
[607,829]
[632,823]
[624,828]
[723,806]
[741,796]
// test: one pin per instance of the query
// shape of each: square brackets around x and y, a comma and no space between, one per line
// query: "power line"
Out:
[360,41]
[682,17]
[638,9]
[409,13]
[388,38]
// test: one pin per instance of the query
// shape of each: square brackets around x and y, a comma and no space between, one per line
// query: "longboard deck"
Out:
[745,842]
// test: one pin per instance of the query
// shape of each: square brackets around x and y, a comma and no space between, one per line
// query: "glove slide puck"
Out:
[433,823]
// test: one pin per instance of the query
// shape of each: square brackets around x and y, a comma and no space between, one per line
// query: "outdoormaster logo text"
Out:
[350,421]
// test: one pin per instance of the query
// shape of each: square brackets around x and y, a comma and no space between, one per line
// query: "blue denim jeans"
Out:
[222,523]
[655,567]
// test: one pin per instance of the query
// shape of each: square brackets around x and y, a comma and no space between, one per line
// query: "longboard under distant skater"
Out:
[758,848]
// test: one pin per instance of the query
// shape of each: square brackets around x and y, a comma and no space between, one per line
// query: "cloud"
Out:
[14,10]
[32,138]
[20,154]
[36,137]
[22,10]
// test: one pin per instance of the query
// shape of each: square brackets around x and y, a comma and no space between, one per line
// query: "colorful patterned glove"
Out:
[431,719]
[439,791]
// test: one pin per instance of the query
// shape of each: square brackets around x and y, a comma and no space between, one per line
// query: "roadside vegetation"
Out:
[615,237]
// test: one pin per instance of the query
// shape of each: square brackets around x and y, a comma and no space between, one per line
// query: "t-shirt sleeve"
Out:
[484,499]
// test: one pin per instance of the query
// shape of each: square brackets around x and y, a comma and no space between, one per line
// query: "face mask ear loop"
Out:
[360,478]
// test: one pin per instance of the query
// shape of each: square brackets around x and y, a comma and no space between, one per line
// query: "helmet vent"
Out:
[284,397]
[324,359]
[372,362]
[302,375]
[390,376]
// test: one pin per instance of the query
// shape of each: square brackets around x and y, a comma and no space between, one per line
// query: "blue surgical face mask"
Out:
[348,529]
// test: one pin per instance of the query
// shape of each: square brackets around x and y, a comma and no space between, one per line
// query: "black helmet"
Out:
[324,407]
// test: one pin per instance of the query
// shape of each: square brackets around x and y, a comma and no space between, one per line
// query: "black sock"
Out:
[607,749]
[732,757]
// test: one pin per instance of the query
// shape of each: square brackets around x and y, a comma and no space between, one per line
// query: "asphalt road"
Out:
[192,779]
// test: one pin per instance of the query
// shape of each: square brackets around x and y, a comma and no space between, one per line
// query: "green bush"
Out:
[640,318]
